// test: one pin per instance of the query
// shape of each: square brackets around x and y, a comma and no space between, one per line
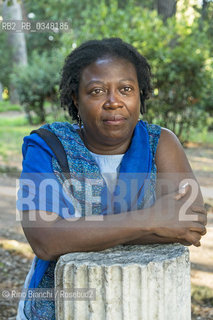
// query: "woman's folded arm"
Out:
[51,236]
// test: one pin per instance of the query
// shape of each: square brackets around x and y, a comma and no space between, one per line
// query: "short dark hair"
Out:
[89,52]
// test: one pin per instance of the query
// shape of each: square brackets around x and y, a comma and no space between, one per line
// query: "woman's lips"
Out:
[114,120]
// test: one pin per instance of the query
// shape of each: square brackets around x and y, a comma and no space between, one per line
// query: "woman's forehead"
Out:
[107,67]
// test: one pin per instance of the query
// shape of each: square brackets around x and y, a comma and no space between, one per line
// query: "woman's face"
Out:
[108,104]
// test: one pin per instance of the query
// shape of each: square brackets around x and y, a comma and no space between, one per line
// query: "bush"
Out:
[38,82]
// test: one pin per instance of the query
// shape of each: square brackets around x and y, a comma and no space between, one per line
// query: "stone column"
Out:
[149,282]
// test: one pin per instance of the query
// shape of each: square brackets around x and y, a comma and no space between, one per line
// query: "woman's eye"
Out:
[96,91]
[126,89]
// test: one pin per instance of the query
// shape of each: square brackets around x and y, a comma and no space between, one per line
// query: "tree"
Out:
[16,42]
[204,9]
[1,91]
[166,8]
[206,20]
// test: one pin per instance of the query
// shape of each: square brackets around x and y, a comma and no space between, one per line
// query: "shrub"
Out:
[38,82]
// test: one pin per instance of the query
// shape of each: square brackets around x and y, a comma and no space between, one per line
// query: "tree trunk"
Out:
[204,9]
[16,42]
[1,91]
[166,8]
[42,113]
[13,94]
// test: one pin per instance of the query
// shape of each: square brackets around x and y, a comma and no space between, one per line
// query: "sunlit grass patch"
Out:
[12,132]
[202,302]
[18,121]
[17,247]
[202,295]
[7,106]
[204,136]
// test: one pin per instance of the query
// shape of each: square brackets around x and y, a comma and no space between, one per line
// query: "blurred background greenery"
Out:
[175,36]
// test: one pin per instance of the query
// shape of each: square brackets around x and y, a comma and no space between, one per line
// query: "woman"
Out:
[117,165]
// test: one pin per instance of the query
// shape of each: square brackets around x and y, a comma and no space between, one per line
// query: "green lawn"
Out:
[202,302]
[13,129]
[205,137]
[7,106]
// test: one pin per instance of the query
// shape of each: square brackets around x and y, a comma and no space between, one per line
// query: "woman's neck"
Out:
[105,149]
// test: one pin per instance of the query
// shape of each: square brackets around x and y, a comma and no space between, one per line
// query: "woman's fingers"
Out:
[197,244]
[199,229]
[182,192]
[185,243]
[194,238]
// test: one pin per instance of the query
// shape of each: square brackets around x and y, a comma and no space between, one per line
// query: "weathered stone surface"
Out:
[149,282]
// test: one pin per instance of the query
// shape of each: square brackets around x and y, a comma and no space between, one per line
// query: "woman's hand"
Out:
[167,222]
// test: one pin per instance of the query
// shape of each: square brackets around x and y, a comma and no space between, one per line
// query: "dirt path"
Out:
[16,254]
[12,114]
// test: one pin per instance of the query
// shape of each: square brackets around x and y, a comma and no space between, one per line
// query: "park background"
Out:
[177,39]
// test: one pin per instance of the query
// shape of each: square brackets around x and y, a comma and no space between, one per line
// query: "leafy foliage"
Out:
[38,82]
[181,78]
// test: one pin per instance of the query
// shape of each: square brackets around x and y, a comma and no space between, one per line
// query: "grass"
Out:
[19,121]
[16,247]
[12,131]
[7,106]
[205,137]
[202,302]
[202,295]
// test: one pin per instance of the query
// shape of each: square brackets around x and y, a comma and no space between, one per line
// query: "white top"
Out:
[109,165]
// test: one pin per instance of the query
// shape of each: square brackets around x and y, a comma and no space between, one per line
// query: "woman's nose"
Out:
[113,101]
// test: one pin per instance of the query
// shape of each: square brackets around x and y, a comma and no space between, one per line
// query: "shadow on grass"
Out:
[201,267]
[202,295]
[10,171]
